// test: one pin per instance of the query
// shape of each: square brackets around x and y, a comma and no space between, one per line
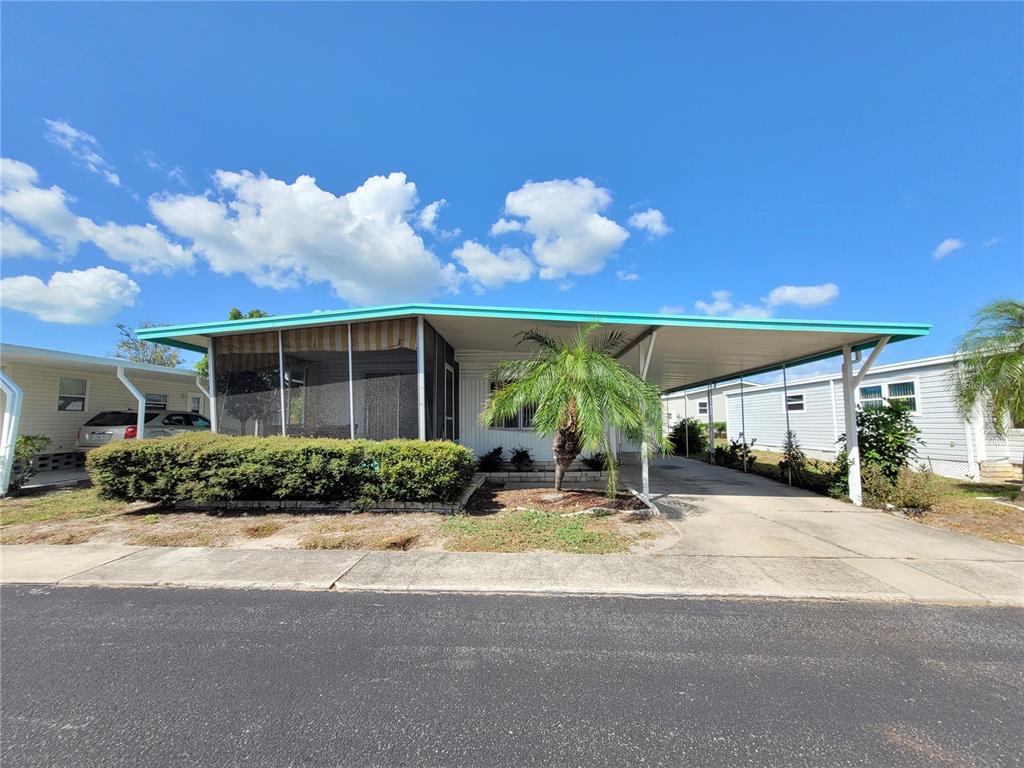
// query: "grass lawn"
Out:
[78,516]
[961,506]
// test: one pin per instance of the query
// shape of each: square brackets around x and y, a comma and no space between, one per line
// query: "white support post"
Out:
[211,371]
[743,426]
[140,399]
[711,426]
[421,380]
[351,390]
[850,384]
[13,397]
[280,383]
[785,410]
[850,412]
[686,418]
[645,448]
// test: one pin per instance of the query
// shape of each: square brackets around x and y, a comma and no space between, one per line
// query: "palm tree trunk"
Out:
[566,447]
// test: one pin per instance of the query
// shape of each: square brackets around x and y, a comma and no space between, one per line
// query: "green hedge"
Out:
[205,467]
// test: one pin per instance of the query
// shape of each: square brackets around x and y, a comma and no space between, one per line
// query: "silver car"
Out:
[110,426]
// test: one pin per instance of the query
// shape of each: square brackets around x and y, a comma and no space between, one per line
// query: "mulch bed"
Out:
[491,498]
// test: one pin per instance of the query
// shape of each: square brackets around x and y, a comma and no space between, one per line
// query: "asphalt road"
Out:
[97,677]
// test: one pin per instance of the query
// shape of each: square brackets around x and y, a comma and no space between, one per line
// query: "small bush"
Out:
[521,460]
[207,467]
[721,429]
[597,461]
[26,448]
[915,492]
[490,461]
[794,461]
[698,437]
[887,437]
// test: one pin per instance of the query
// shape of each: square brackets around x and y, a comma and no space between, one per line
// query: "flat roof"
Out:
[52,358]
[690,350]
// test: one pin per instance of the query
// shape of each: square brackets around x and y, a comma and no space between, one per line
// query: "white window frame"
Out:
[702,407]
[195,396]
[802,402]
[149,401]
[885,384]
[519,427]
[85,397]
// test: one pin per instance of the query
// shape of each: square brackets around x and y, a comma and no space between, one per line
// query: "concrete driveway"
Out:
[724,513]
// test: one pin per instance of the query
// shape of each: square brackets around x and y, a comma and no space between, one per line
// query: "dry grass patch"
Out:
[262,529]
[71,504]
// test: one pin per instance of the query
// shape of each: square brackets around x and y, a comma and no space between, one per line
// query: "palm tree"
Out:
[990,366]
[576,390]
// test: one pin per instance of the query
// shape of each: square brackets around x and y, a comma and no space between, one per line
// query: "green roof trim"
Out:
[165,334]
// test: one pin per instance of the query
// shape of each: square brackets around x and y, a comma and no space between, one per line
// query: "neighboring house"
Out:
[952,447]
[422,370]
[694,403]
[63,390]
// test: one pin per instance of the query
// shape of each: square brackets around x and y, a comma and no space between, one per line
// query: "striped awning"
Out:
[374,336]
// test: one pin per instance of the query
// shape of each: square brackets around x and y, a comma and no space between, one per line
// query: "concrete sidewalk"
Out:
[993,581]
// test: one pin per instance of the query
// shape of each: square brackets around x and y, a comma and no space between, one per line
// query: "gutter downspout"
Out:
[211,372]
[9,432]
[204,389]
[140,421]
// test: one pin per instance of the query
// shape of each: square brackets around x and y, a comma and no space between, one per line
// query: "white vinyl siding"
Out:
[41,384]
[943,431]
[474,389]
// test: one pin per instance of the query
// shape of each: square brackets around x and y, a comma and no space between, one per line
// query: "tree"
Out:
[131,347]
[202,365]
[576,390]
[989,370]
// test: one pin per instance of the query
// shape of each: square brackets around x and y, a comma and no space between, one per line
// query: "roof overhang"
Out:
[51,358]
[690,350]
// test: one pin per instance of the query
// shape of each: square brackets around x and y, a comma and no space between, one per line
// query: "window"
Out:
[156,402]
[195,403]
[71,394]
[903,392]
[894,392]
[200,422]
[521,420]
[702,407]
[871,397]
[794,402]
[177,420]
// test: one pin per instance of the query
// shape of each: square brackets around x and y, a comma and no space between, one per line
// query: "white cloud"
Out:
[627,276]
[802,295]
[566,285]
[720,304]
[992,241]
[173,172]
[81,146]
[563,216]
[946,247]
[672,309]
[502,226]
[426,220]
[488,269]
[14,241]
[143,248]
[652,221]
[90,296]
[799,295]
[283,235]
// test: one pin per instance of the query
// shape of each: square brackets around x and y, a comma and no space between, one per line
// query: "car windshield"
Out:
[117,419]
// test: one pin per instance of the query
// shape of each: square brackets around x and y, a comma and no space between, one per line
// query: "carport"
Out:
[673,351]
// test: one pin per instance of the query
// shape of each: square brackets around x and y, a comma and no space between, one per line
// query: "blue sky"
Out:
[847,161]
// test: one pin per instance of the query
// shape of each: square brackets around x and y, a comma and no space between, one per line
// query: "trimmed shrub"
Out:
[597,461]
[26,449]
[490,461]
[204,467]
[698,437]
